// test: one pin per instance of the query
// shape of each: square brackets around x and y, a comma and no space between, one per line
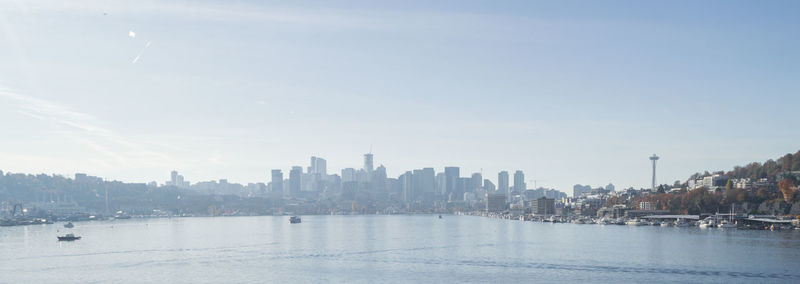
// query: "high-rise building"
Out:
[348,174]
[318,166]
[276,184]
[578,190]
[368,163]
[427,182]
[295,181]
[476,182]
[451,181]
[379,180]
[177,180]
[174,177]
[519,181]
[502,183]
[407,189]
[441,184]
[488,186]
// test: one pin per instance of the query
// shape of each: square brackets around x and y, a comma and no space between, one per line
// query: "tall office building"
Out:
[488,186]
[519,181]
[476,182]
[379,180]
[407,189]
[368,163]
[452,175]
[318,166]
[427,182]
[295,181]
[502,183]
[276,184]
[348,174]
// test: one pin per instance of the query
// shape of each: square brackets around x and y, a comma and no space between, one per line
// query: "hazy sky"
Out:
[567,91]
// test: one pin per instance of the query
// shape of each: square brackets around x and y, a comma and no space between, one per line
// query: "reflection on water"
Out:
[419,248]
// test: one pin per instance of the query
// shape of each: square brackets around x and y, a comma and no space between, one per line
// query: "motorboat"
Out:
[294,220]
[634,222]
[68,237]
[69,225]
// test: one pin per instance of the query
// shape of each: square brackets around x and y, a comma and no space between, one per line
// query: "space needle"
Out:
[654,158]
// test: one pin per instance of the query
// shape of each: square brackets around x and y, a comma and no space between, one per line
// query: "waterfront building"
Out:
[543,206]
[495,202]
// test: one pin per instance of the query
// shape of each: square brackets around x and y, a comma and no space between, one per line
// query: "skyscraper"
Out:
[295,181]
[318,166]
[519,181]
[502,183]
[476,182]
[451,175]
[276,184]
[368,163]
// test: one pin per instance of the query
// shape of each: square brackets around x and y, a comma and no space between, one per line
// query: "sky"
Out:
[570,92]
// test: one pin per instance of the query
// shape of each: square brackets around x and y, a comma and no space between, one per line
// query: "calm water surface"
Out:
[418,248]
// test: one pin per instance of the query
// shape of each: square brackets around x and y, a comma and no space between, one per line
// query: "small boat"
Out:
[635,222]
[69,225]
[294,220]
[681,223]
[440,216]
[68,237]
[726,224]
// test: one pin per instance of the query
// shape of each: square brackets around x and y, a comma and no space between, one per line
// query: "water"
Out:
[418,248]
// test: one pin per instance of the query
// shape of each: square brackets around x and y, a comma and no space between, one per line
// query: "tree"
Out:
[762,194]
[787,187]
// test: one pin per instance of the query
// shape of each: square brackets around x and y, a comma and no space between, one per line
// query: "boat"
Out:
[294,220]
[681,223]
[440,216]
[578,221]
[666,224]
[655,223]
[634,222]
[728,223]
[69,225]
[68,237]
[708,222]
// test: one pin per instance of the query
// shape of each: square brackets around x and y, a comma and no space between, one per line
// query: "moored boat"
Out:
[294,220]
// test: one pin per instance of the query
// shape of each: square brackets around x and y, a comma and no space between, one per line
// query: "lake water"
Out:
[400,248]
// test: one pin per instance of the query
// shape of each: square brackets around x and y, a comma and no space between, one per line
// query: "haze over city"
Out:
[579,92]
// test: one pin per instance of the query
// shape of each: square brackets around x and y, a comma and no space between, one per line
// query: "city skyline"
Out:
[567,96]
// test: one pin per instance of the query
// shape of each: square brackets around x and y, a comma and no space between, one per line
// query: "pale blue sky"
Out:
[568,91]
